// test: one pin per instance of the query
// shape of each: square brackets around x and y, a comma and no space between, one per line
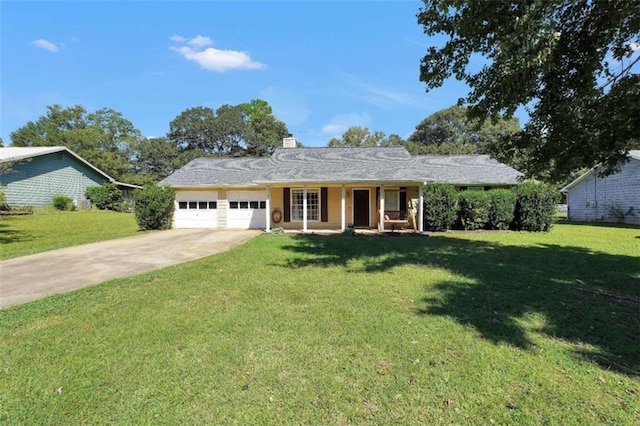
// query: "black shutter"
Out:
[324,208]
[286,200]
[403,203]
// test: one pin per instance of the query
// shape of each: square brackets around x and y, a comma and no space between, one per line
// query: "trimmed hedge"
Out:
[440,206]
[535,206]
[64,203]
[473,210]
[106,196]
[154,207]
[502,204]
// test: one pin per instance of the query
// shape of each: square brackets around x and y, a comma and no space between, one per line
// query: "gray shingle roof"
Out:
[337,165]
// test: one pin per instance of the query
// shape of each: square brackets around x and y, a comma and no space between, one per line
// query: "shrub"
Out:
[535,206]
[3,201]
[473,209]
[106,196]
[154,207]
[277,231]
[440,204]
[502,203]
[62,202]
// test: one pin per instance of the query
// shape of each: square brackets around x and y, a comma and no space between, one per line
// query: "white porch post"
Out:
[304,209]
[381,208]
[268,206]
[421,209]
[343,213]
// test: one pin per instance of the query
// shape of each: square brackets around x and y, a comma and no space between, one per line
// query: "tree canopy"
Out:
[569,62]
[451,131]
[232,130]
[104,137]
[356,136]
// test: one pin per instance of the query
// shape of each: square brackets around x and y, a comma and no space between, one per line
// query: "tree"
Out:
[1,143]
[569,62]
[356,136]
[154,159]
[232,130]
[103,138]
[264,132]
[451,131]
[192,129]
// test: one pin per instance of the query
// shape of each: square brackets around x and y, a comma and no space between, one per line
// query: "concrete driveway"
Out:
[58,271]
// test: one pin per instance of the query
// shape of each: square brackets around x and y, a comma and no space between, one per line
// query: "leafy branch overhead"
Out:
[570,63]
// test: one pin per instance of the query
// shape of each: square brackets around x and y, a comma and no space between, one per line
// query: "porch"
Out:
[382,207]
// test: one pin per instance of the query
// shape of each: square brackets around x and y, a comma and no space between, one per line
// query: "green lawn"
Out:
[477,328]
[51,229]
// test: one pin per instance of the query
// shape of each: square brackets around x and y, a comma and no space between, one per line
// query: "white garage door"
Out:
[196,209]
[247,209]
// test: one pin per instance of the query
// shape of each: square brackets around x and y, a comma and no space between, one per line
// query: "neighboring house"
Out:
[614,198]
[38,174]
[322,188]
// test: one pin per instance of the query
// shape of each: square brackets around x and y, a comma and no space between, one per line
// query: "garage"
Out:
[197,209]
[247,209]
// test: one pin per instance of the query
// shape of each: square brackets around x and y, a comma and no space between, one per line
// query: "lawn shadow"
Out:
[8,235]
[581,296]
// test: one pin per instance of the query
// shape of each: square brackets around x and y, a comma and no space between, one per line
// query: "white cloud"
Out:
[45,44]
[177,38]
[213,59]
[635,46]
[341,122]
[200,41]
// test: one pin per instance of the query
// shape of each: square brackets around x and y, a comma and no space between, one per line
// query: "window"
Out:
[233,204]
[193,205]
[202,205]
[392,200]
[244,204]
[253,204]
[213,205]
[313,204]
[263,205]
[182,205]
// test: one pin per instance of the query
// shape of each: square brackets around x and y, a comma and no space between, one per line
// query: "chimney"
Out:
[289,142]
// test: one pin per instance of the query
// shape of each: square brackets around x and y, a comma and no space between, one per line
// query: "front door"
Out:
[361,207]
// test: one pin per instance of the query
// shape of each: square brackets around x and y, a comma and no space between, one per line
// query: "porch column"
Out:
[268,211]
[304,209]
[343,213]
[381,208]
[421,209]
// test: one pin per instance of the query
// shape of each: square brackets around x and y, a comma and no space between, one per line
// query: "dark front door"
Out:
[360,207]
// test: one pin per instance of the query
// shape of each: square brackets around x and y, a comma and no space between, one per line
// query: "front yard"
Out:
[51,229]
[466,328]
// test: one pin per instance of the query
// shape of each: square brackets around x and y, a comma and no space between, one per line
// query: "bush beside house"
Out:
[154,207]
[530,207]
[106,196]
[440,206]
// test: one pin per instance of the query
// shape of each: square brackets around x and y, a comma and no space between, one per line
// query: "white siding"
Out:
[591,199]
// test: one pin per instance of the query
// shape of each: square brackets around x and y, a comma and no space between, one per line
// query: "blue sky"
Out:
[323,66]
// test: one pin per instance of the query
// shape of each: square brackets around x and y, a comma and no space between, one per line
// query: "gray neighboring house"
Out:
[322,188]
[592,198]
[37,174]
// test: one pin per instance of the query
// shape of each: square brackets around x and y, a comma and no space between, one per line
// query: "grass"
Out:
[51,229]
[463,328]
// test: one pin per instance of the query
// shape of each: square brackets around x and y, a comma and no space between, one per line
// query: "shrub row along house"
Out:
[36,174]
[322,188]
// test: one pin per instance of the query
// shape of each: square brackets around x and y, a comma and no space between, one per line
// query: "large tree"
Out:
[569,62]
[248,129]
[104,137]
[451,131]
[264,131]
[356,136]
